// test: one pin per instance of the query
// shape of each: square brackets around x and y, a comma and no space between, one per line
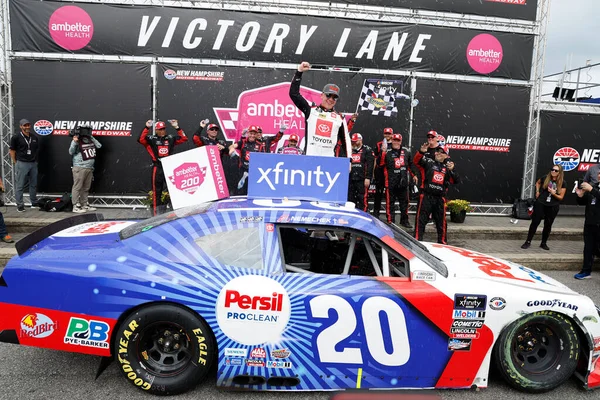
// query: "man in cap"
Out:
[210,139]
[160,144]
[380,150]
[361,172]
[24,148]
[246,145]
[291,147]
[325,128]
[398,173]
[269,143]
[438,173]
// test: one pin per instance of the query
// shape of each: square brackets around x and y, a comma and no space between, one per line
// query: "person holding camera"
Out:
[160,145]
[83,155]
[549,192]
[24,148]
[589,194]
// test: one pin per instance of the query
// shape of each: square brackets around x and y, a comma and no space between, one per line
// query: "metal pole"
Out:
[577,85]
[153,76]
[413,88]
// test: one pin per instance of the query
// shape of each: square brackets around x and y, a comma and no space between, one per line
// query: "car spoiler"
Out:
[33,238]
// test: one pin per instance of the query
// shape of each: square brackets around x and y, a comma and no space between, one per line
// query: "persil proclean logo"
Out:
[71,28]
[253,310]
[484,53]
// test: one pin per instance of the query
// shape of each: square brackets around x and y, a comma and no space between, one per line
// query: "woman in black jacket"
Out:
[549,192]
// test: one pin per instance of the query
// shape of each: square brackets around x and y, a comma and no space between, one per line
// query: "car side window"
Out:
[238,248]
[316,250]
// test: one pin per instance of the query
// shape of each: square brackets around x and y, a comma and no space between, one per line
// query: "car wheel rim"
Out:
[536,348]
[164,349]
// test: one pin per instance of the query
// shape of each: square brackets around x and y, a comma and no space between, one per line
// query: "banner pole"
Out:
[153,94]
[413,87]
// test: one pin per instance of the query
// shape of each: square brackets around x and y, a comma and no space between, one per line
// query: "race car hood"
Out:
[463,263]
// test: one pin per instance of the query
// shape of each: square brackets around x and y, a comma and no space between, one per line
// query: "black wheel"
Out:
[164,349]
[538,352]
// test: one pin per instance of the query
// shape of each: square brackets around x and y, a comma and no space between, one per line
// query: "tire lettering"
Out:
[202,346]
[125,364]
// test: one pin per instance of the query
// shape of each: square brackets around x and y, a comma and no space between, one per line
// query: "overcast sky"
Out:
[574,28]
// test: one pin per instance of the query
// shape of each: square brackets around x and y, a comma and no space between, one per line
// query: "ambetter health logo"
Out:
[71,28]
[484,53]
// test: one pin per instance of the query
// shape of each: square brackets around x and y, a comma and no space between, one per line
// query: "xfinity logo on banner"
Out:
[71,27]
[99,128]
[570,159]
[298,177]
[501,145]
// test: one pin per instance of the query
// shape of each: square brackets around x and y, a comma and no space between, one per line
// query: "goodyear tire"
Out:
[538,352]
[164,349]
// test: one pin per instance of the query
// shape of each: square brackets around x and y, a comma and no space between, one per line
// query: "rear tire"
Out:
[164,349]
[538,352]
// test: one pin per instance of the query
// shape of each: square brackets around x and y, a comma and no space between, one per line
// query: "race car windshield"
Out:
[419,250]
[153,222]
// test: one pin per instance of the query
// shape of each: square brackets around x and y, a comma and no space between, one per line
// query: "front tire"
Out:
[164,349]
[538,352]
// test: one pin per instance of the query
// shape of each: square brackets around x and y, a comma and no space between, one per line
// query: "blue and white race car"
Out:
[291,295]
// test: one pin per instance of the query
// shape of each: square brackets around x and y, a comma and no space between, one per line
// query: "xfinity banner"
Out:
[221,34]
[278,176]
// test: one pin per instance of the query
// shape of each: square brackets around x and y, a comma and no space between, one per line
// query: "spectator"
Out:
[437,174]
[589,194]
[160,145]
[83,153]
[24,148]
[246,146]
[380,149]
[397,173]
[291,147]
[211,137]
[549,192]
[325,127]
[361,172]
[4,236]
[591,175]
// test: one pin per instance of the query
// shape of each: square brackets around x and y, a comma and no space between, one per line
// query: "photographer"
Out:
[589,194]
[83,153]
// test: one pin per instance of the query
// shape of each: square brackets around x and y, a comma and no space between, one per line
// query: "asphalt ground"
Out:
[32,373]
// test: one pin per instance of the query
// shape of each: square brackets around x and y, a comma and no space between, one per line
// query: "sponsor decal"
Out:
[255,363]
[192,75]
[463,331]
[567,157]
[252,218]
[270,227]
[459,344]
[43,127]
[468,314]
[279,364]
[230,352]
[71,27]
[462,323]
[188,177]
[518,2]
[551,303]
[497,303]
[234,361]
[99,128]
[258,352]
[90,333]
[466,335]
[423,276]
[170,74]
[280,353]
[484,53]
[470,302]
[37,326]
[253,309]
[501,145]
[94,228]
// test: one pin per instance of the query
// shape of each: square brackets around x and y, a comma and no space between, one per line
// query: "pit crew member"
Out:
[361,172]
[397,173]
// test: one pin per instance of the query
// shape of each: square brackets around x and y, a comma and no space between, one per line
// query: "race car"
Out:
[291,295]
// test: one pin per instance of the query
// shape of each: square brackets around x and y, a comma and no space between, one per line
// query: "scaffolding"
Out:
[305,8]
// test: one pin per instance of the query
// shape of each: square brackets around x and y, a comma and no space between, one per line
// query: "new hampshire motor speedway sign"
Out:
[278,176]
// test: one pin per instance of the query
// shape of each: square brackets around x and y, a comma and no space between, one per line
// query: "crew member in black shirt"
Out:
[24,147]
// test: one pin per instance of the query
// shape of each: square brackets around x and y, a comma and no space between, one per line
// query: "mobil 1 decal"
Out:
[571,140]
[349,326]
[265,37]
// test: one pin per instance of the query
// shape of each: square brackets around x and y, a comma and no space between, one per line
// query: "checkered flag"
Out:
[380,100]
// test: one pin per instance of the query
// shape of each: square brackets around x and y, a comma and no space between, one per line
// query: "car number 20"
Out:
[346,325]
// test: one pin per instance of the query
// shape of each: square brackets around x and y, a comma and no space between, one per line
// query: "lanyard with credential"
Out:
[28,144]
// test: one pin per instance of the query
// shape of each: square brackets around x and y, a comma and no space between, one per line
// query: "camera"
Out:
[81,131]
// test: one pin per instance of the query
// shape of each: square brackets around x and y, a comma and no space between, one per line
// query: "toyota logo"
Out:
[324,128]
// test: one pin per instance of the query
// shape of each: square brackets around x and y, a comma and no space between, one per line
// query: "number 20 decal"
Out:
[346,324]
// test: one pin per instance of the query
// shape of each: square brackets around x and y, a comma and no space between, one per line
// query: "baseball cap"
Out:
[441,149]
[356,136]
[160,125]
[213,126]
[24,122]
[432,133]
[253,128]
[388,130]
[396,136]
[330,88]
[294,137]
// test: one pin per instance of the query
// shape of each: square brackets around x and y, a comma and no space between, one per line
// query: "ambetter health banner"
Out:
[47,26]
